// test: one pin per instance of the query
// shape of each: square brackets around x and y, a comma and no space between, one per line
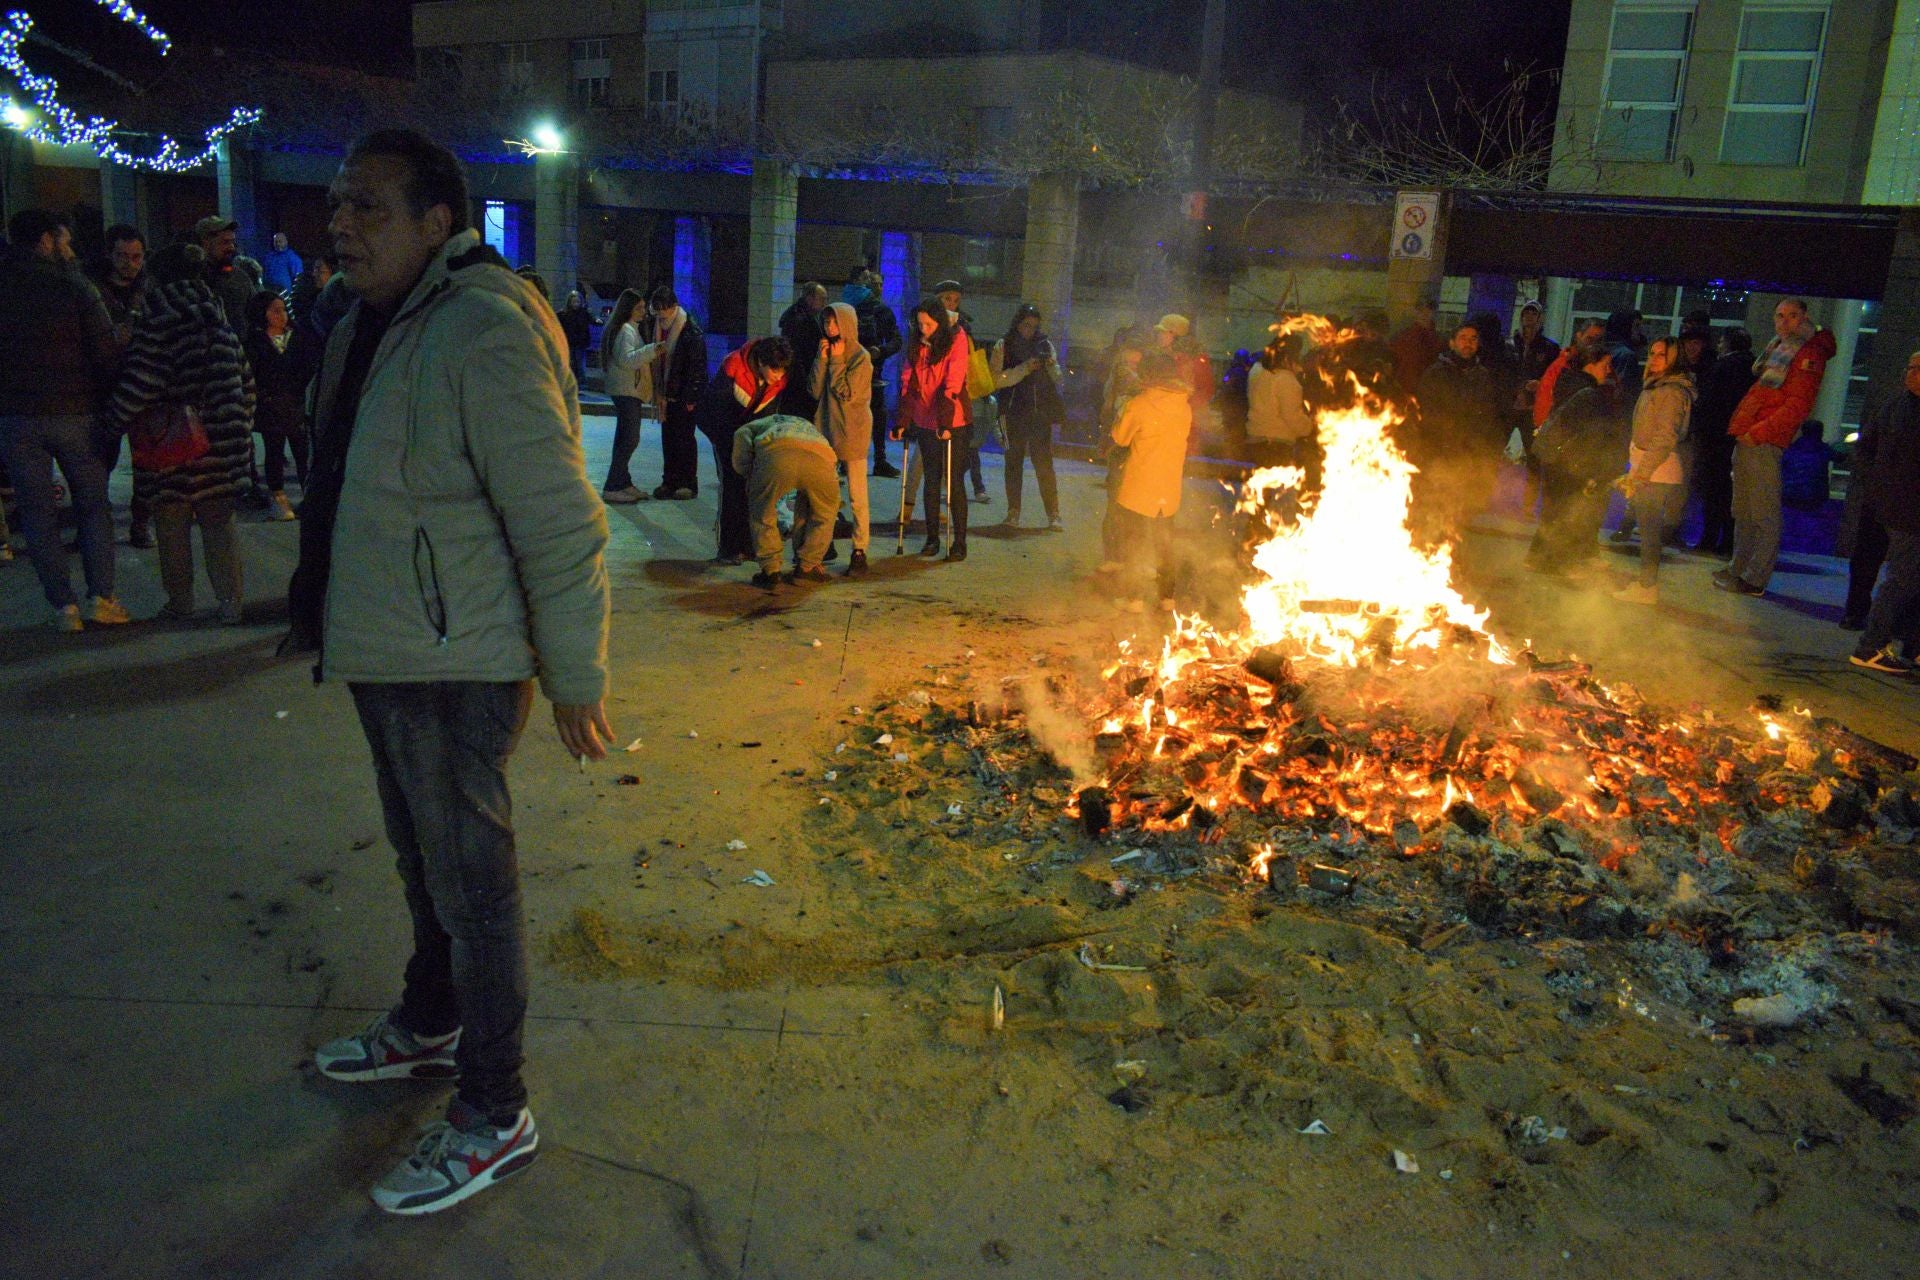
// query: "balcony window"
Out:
[1646,76]
[592,73]
[1776,72]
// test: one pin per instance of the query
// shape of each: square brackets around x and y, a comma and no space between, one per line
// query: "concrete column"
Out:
[1410,279]
[556,222]
[1899,314]
[775,207]
[17,162]
[1046,264]
[235,174]
[693,265]
[1556,306]
[122,197]
[1830,406]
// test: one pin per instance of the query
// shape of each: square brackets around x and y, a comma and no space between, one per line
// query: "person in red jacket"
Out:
[1417,346]
[933,408]
[1764,424]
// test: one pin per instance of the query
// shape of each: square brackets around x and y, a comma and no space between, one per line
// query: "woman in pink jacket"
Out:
[932,414]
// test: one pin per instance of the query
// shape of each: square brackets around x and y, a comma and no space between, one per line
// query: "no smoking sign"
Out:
[1414,215]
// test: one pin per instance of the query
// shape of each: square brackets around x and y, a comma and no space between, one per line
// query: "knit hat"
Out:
[947,286]
[1177,325]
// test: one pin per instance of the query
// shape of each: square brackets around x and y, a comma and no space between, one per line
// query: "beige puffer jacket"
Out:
[468,544]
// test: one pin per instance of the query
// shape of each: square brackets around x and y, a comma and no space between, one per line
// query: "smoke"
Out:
[1059,731]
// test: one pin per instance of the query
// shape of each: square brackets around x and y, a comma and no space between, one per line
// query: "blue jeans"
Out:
[440,759]
[32,447]
[628,414]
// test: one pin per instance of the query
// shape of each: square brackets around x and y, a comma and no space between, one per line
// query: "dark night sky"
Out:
[1315,50]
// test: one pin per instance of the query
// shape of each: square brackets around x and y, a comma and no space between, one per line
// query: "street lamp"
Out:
[15,115]
[548,138]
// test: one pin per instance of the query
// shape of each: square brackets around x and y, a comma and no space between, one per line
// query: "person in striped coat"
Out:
[182,350]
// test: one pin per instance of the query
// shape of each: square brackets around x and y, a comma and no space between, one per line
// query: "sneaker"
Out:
[1741,587]
[455,1158]
[1013,518]
[140,536]
[107,611]
[857,565]
[663,492]
[766,581]
[683,495]
[1638,593]
[814,575]
[886,471]
[388,1051]
[281,510]
[1884,660]
[1619,536]
[232,613]
[957,552]
[1054,525]
[833,553]
[67,619]
[931,547]
[622,497]
[980,495]
[1723,579]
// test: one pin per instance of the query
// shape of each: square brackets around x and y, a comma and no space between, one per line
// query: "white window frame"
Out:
[592,72]
[1615,55]
[1741,57]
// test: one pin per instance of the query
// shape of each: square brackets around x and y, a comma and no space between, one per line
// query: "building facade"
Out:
[1789,101]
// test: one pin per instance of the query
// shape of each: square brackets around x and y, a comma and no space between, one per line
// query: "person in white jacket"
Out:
[628,360]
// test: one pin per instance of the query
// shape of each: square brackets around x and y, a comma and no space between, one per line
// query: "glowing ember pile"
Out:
[1363,695]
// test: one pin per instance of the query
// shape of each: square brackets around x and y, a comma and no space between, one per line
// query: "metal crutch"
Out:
[952,515]
[900,535]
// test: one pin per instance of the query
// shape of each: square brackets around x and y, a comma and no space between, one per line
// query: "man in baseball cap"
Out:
[233,277]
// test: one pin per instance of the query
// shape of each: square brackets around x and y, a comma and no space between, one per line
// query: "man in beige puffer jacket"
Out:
[464,559]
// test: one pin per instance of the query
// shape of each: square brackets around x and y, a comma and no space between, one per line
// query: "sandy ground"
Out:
[800,1080]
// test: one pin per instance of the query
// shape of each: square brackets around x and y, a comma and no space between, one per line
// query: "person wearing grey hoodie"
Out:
[1656,479]
[841,385]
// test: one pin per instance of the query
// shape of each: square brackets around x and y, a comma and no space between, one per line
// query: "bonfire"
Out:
[1361,702]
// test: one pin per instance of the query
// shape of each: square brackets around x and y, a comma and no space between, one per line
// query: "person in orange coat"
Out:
[1764,424]
[1154,429]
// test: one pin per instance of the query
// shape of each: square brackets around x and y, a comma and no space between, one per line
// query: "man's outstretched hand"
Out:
[584,730]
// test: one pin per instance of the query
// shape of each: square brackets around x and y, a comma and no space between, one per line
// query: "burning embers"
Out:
[1362,694]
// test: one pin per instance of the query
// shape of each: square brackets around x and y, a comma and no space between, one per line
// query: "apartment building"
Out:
[1790,101]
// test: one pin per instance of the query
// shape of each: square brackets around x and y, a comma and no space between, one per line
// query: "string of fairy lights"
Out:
[49,120]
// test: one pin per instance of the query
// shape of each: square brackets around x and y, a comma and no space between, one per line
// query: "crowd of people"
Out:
[186,354]
[1662,422]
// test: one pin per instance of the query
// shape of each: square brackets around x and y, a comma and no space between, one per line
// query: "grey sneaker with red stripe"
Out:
[388,1051]
[455,1158]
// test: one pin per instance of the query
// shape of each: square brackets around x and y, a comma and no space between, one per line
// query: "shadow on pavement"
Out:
[121,687]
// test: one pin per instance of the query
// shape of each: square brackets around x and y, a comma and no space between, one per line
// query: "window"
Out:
[516,69]
[663,80]
[1776,70]
[1646,74]
[592,73]
[438,66]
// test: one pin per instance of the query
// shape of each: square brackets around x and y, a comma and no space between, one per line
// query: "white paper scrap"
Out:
[634,745]
[759,877]
[1317,1128]
[736,845]
[1404,1162]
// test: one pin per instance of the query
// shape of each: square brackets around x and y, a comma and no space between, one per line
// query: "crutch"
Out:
[900,534]
[954,516]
